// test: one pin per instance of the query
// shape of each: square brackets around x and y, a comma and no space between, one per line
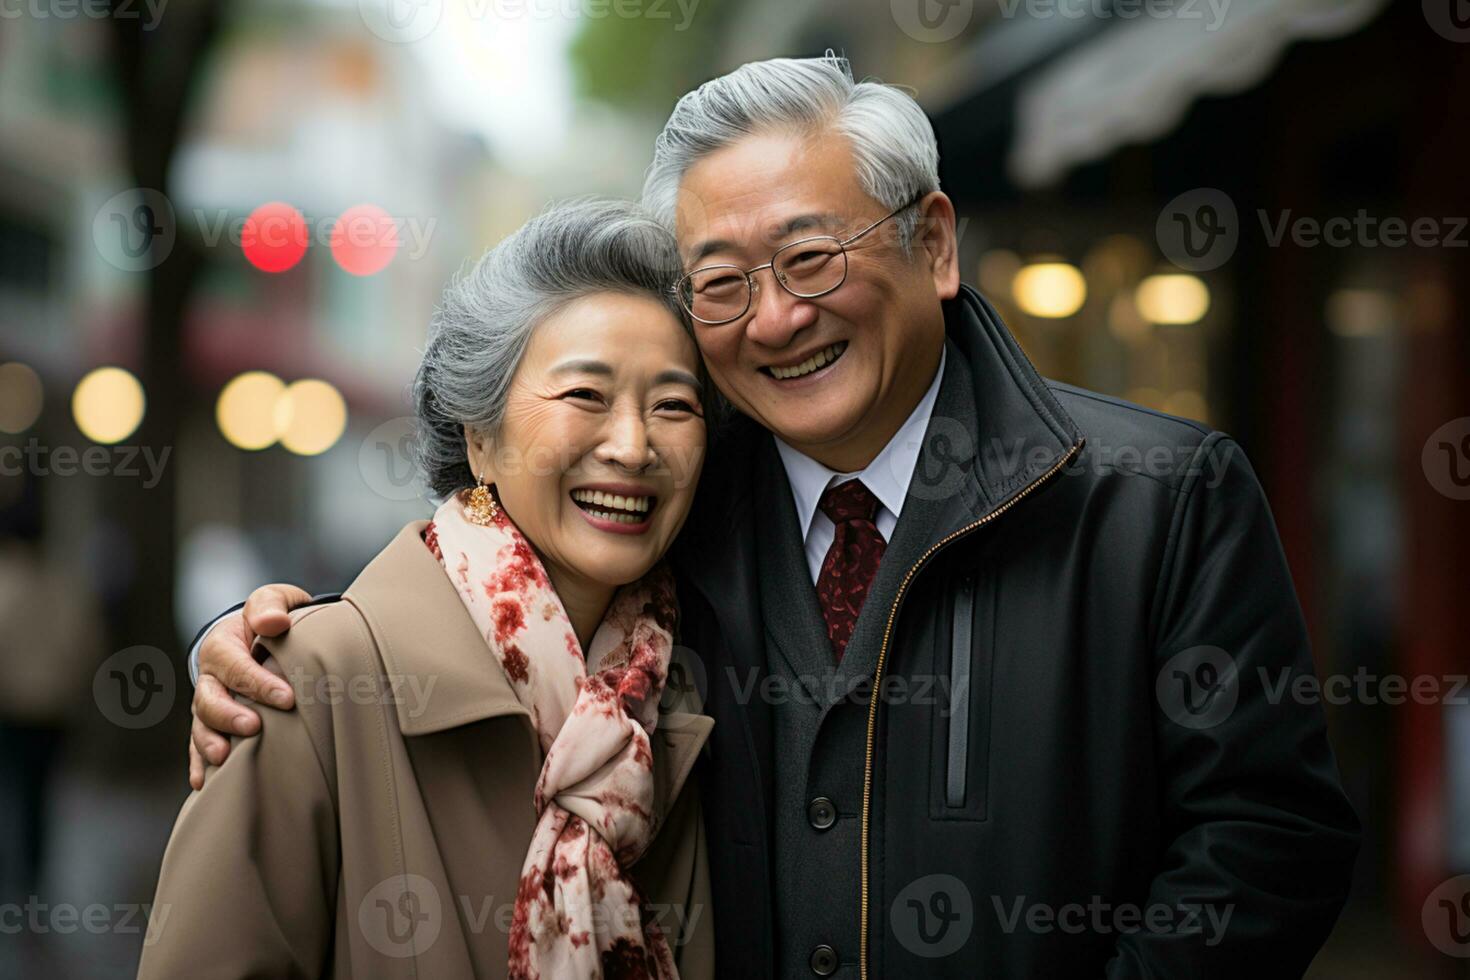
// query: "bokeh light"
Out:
[1173,298]
[274,237]
[364,240]
[246,410]
[310,416]
[108,405]
[1050,289]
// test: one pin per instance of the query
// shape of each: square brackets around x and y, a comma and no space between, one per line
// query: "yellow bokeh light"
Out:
[20,397]
[1050,289]
[1173,298]
[108,405]
[246,410]
[310,417]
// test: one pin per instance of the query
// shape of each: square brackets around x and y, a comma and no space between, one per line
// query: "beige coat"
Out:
[378,830]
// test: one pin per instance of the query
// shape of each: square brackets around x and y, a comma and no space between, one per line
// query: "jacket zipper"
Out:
[878,680]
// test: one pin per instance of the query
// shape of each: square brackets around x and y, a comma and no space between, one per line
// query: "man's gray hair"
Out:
[892,140]
[479,332]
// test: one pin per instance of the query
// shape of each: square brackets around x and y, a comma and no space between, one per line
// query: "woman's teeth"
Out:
[613,507]
[820,359]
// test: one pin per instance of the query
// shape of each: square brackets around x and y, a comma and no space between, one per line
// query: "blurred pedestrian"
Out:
[50,642]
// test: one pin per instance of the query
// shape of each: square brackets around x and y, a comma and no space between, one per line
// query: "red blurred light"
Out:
[274,237]
[364,240]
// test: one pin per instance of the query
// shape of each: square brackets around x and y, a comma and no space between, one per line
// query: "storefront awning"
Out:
[1134,82]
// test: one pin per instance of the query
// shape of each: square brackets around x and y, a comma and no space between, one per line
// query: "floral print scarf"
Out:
[577,913]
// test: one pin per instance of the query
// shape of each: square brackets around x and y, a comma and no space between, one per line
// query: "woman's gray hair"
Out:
[892,140]
[489,311]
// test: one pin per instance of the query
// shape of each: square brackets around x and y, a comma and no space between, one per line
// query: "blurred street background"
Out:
[224,224]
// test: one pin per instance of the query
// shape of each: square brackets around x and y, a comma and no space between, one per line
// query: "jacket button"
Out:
[824,961]
[821,814]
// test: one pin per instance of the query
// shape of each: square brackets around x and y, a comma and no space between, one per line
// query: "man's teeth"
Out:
[819,359]
[613,507]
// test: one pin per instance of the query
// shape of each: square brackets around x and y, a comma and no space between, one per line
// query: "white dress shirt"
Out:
[888,476]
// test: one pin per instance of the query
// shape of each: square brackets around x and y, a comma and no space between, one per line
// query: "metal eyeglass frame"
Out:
[750,284]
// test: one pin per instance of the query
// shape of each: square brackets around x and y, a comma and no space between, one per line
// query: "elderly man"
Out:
[985,652]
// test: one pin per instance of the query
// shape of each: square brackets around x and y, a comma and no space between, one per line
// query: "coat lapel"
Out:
[424,634]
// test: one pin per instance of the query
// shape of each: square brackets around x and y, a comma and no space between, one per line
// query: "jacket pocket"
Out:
[961,737]
[961,643]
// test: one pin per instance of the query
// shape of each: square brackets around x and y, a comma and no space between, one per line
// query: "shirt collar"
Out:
[888,475]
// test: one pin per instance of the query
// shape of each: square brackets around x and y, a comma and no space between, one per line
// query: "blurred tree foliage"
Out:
[643,63]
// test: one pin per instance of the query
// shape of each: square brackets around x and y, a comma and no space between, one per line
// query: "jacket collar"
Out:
[1019,429]
[425,636]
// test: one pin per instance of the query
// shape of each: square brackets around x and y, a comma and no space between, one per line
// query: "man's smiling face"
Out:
[884,324]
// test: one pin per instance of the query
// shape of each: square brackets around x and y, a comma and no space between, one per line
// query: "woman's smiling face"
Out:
[602,439]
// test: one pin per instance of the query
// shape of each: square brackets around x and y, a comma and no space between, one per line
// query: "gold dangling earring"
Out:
[482,508]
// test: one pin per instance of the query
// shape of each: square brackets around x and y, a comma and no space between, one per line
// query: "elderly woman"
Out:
[478,779]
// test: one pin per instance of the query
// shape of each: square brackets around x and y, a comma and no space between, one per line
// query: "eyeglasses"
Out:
[808,268]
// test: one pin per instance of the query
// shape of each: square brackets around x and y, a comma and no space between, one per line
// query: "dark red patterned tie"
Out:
[851,562]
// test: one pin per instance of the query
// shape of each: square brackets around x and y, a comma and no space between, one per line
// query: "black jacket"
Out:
[1108,776]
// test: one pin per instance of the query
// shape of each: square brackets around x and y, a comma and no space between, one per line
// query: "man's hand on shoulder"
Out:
[227,667]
